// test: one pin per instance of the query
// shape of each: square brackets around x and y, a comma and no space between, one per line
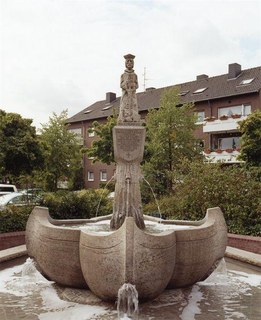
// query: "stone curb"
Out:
[12,253]
[243,256]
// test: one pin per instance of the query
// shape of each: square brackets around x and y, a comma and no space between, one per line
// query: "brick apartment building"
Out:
[220,102]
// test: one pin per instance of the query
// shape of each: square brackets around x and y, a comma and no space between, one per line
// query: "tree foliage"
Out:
[170,140]
[102,148]
[60,149]
[251,139]
[20,151]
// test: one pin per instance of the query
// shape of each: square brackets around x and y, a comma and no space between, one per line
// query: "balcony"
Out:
[224,156]
[214,126]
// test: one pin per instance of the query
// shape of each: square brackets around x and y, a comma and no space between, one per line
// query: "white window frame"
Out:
[91,134]
[102,178]
[221,142]
[200,90]
[200,119]
[246,81]
[78,134]
[77,131]
[242,108]
[90,176]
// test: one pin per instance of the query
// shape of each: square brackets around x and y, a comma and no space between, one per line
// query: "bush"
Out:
[235,189]
[77,205]
[14,218]
[62,205]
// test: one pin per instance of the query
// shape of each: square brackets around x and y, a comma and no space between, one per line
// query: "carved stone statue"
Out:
[129,84]
[128,141]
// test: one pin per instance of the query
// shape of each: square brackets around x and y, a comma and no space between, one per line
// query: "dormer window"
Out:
[87,111]
[183,93]
[106,108]
[199,90]
[246,81]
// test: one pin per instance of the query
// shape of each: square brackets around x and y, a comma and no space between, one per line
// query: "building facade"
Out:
[220,103]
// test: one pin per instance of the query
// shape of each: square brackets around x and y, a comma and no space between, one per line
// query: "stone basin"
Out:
[104,262]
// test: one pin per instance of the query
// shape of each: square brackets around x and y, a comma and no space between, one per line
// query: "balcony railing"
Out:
[227,156]
[227,124]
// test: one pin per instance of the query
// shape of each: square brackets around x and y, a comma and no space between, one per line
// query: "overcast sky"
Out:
[66,54]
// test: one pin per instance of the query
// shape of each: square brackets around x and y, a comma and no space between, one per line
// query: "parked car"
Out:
[17,199]
[32,191]
[7,188]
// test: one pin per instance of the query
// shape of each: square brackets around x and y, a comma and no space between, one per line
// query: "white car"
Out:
[7,188]
[16,199]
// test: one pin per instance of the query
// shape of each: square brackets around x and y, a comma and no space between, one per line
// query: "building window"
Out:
[183,93]
[87,111]
[228,143]
[246,81]
[243,110]
[246,109]
[78,134]
[91,133]
[90,176]
[202,144]
[77,131]
[103,175]
[199,90]
[106,108]
[200,116]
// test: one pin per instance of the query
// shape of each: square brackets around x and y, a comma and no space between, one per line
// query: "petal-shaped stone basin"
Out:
[104,262]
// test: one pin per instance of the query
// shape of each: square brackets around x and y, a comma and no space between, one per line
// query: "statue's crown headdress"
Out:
[129,56]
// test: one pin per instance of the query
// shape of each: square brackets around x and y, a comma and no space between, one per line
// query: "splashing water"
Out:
[28,268]
[236,298]
[219,275]
[127,303]
[99,203]
[31,276]
[154,196]
[222,267]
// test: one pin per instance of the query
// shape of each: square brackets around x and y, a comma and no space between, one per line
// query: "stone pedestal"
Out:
[128,153]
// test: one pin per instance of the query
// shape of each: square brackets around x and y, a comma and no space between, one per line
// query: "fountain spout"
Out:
[128,142]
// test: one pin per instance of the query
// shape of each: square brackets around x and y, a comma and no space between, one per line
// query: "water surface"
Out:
[232,292]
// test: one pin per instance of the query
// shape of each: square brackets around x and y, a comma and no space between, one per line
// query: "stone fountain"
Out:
[129,254]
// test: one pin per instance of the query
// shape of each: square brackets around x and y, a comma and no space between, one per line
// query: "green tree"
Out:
[20,151]
[251,139]
[170,140]
[61,151]
[102,148]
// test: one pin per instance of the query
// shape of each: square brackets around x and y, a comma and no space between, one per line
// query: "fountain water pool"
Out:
[231,292]
[103,227]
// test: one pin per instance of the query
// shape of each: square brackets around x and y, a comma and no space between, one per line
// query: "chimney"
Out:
[110,96]
[202,77]
[234,69]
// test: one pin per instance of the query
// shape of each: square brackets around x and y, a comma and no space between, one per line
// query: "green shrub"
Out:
[77,205]
[235,189]
[14,218]
[62,205]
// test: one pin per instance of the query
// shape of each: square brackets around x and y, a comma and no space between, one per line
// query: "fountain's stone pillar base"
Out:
[128,153]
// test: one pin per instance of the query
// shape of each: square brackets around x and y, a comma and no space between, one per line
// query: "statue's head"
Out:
[129,61]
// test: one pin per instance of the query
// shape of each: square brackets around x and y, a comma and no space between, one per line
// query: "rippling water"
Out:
[103,227]
[232,292]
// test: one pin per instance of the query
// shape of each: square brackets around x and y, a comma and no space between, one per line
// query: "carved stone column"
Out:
[128,152]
